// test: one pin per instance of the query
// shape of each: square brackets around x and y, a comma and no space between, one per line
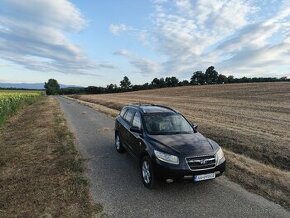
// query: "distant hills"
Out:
[29,85]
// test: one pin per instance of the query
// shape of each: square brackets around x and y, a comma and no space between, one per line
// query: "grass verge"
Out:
[263,179]
[41,173]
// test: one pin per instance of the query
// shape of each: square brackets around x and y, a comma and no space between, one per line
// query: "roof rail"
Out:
[169,108]
[140,104]
[150,104]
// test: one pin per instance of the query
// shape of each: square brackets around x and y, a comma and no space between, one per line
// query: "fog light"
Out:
[188,177]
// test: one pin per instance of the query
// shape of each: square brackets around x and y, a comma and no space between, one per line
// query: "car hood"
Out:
[184,144]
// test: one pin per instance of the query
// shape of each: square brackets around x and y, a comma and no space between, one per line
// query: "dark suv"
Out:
[167,145]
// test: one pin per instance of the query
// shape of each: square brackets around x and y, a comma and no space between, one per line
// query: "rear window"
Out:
[129,115]
[137,120]
[123,111]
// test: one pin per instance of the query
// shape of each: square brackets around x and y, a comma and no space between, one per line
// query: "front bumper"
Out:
[168,171]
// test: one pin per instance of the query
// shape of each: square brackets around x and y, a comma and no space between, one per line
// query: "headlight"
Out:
[168,158]
[220,156]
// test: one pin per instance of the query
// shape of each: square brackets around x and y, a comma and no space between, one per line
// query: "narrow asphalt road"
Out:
[115,182]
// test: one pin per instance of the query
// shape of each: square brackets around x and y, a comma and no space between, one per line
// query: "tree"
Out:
[174,81]
[52,87]
[158,83]
[162,83]
[155,82]
[168,81]
[197,78]
[183,83]
[245,79]
[146,86]
[222,79]
[231,79]
[211,75]
[112,88]
[95,90]
[171,81]
[125,83]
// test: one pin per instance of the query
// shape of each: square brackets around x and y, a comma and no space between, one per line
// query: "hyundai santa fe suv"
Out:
[167,146]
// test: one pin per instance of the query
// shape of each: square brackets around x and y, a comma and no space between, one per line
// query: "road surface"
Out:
[116,184]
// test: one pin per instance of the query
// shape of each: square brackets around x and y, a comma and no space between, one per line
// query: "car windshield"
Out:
[166,124]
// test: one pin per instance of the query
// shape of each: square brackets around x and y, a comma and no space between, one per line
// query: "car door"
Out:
[125,133]
[135,138]
[120,122]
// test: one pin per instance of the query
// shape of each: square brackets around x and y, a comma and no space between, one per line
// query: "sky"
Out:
[85,42]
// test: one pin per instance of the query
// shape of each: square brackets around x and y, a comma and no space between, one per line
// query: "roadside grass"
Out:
[110,111]
[263,179]
[41,172]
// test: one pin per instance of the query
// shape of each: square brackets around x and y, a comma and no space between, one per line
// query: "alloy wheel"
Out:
[118,143]
[146,172]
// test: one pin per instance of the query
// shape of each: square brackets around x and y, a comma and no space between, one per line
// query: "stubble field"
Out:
[250,119]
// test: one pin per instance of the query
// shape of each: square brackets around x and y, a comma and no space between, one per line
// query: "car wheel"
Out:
[118,144]
[147,173]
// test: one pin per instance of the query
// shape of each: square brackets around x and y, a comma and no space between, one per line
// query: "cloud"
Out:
[186,35]
[33,35]
[238,37]
[143,65]
[117,29]
[106,66]
[259,47]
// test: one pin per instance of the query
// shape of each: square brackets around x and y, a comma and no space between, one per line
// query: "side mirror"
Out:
[136,129]
[194,126]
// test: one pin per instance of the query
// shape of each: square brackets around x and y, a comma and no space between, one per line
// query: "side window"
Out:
[129,115]
[137,120]
[123,111]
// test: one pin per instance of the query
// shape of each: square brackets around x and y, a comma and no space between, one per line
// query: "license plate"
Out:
[203,177]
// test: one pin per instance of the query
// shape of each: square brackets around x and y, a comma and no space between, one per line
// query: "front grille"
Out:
[201,162]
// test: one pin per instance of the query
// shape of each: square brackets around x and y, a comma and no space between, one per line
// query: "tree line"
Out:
[210,76]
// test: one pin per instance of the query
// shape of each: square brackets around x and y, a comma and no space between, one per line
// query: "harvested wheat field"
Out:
[252,120]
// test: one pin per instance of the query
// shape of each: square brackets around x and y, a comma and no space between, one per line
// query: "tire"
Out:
[147,173]
[118,144]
